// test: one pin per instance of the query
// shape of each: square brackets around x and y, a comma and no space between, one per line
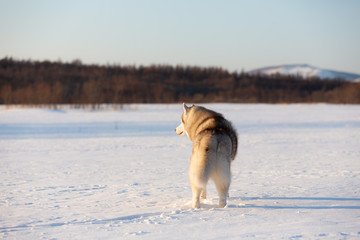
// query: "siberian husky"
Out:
[214,147]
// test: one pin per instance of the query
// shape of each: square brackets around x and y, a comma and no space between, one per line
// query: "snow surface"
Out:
[306,71]
[78,174]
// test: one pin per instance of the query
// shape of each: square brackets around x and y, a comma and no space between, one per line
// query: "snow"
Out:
[122,174]
[306,71]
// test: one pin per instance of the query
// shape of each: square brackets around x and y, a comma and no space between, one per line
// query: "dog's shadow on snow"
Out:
[295,203]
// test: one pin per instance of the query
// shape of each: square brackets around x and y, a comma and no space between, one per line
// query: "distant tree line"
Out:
[45,82]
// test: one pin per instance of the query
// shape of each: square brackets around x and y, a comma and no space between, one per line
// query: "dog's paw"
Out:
[196,205]
[222,203]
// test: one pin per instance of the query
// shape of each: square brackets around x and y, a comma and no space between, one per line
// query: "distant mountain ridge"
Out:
[306,71]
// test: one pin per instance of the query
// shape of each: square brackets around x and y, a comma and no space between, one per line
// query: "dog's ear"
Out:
[186,108]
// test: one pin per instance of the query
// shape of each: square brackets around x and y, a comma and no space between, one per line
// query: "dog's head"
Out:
[180,130]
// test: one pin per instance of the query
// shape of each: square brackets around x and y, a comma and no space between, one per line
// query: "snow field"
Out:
[75,174]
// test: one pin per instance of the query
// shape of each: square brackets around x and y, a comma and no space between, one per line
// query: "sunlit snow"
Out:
[122,174]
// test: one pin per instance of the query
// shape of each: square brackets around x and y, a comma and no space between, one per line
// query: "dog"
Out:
[215,143]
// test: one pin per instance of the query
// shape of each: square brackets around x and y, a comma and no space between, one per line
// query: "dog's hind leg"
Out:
[199,173]
[222,188]
[222,195]
[196,197]
[198,185]
[222,179]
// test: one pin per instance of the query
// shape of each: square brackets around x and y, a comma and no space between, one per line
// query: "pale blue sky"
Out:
[234,35]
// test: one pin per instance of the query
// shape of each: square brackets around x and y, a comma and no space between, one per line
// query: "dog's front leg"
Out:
[203,193]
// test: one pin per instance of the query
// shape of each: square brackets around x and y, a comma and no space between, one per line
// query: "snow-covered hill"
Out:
[306,71]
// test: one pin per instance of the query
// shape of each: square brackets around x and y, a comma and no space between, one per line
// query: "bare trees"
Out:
[32,82]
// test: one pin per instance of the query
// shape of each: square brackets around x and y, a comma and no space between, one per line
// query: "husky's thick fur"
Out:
[214,147]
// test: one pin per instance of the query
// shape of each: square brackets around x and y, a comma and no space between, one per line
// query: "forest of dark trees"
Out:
[46,82]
